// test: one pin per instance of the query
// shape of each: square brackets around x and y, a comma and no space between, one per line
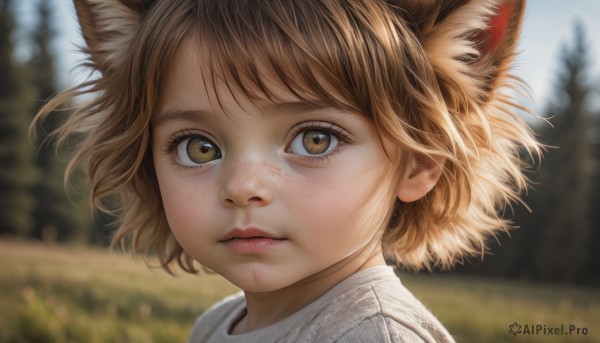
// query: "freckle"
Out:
[271,167]
[274,169]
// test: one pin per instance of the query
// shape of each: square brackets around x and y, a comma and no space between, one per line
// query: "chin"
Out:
[254,286]
[258,280]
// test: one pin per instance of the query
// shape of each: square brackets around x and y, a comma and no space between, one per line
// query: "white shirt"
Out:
[369,306]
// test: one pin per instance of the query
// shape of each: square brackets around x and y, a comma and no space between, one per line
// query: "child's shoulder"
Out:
[374,306]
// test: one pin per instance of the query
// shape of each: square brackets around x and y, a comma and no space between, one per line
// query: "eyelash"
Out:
[178,138]
[342,136]
[330,128]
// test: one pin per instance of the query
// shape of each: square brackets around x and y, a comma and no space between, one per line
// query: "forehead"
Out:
[249,83]
[191,85]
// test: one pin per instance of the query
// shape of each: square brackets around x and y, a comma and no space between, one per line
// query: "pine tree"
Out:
[17,170]
[568,173]
[56,216]
[593,268]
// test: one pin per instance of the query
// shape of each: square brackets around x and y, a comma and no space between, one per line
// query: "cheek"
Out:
[337,206]
[184,200]
[178,204]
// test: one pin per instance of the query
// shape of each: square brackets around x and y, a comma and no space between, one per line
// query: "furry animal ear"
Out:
[470,43]
[108,26]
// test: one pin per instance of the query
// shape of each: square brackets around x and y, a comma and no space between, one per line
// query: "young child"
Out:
[295,146]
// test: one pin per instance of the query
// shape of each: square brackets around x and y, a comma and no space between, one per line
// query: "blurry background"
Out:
[547,272]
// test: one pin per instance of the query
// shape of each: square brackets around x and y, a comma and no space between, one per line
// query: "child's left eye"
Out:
[315,141]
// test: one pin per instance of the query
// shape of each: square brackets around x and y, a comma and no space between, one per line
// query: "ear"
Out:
[108,27]
[471,43]
[420,178]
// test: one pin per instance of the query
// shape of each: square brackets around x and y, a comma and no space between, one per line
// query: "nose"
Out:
[247,183]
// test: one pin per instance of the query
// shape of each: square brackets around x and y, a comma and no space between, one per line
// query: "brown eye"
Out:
[313,142]
[197,150]
[316,142]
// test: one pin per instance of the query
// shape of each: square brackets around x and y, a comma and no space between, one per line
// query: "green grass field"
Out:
[76,294]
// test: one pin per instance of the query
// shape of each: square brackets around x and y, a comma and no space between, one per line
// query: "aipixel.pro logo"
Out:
[546,330]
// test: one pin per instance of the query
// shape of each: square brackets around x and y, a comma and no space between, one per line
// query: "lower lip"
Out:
[252,245]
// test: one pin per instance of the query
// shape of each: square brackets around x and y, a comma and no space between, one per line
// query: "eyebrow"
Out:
[181,115]
[272,109]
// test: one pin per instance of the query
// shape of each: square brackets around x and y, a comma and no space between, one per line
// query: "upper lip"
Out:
[249,232]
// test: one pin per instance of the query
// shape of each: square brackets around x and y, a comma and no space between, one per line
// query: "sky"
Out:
[547,28]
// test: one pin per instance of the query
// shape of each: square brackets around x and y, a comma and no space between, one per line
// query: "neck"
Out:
[267,308]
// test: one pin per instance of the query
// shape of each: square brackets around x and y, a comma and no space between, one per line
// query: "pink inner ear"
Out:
[496,32]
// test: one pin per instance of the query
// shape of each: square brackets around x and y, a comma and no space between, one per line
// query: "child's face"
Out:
[309,178]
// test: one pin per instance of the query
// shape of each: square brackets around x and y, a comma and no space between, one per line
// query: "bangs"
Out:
[315,51]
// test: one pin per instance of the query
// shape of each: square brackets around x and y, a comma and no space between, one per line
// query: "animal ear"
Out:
[108,27]
[471,43]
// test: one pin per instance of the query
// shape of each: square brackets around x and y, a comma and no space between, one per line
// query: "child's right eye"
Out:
[193,151]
